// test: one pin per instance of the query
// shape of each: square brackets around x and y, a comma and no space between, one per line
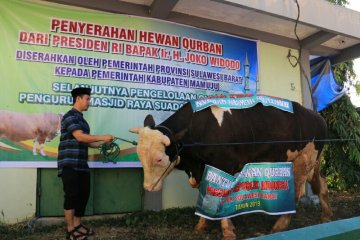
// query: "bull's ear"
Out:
[180,135]
[134,130]
[149,121]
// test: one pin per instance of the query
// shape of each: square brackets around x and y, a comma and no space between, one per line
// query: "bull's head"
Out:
[54,125]
[151,149]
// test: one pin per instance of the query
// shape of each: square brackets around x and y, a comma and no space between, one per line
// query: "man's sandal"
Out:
[88,232]
[75,234]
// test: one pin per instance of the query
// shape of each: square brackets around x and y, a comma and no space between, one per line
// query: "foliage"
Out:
[339,2]
[344,72]
[342,158]
[345,76]
[341,162]
[357,87]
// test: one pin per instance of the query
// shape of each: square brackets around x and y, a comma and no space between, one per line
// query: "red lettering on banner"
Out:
[246,186]
[116,47]
[34,38]
[136,50]
[196,58]
[224,63]
[55,23]
[90,29]
[80,43]
[275,185]
[196,45]
[268,196]
[161,39]
[217,192]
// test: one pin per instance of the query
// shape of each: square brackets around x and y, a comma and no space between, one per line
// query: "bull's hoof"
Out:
[34,153]
[202,226]
[258,234]
[277,229]
[228,234]
[325,219]
[200,229]
[229,237]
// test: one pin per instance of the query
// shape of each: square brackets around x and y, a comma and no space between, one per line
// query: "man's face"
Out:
[84,102]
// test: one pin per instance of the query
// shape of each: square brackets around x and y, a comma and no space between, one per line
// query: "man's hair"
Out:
[80,91]
[74,98]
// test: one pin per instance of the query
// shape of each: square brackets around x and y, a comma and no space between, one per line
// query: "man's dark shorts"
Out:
[76,185]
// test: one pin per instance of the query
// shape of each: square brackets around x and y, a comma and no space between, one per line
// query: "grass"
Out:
[178,223]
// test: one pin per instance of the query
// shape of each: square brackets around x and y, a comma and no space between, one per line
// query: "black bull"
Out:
[228,140]
[246,135]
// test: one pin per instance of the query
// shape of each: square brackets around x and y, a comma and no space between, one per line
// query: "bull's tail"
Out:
[319,187]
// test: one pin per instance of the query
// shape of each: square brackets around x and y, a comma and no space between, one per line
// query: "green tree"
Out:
[339,2]
[341,162]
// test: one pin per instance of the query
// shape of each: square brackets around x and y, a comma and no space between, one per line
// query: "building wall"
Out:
[177,191]
[17,194]
[276,77]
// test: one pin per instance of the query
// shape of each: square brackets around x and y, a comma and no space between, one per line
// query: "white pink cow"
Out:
[39,127]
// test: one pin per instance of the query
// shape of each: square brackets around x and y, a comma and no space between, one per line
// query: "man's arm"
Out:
[95,144]
[91,139]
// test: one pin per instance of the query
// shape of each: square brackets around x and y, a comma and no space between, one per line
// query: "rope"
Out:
[268,142]
[154,185]
[110,151]
[122,139]
[298,59]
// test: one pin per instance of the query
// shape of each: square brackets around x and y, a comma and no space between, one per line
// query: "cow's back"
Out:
[257,134]
[23,126]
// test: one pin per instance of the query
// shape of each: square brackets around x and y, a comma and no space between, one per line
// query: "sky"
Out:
[355,99]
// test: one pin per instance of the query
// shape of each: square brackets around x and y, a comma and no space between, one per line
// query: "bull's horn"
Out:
[166,141]
[134,130]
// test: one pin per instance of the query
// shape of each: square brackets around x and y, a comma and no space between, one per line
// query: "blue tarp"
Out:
[324,88]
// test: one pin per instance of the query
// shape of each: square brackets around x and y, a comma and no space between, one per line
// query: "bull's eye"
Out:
[159,160]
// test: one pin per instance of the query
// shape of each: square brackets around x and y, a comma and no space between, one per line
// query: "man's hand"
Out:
[108,138]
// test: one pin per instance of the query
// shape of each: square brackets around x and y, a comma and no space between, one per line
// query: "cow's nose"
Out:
[148,187]
[153,187]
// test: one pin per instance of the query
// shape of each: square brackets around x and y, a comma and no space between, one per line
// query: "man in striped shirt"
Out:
[72,162]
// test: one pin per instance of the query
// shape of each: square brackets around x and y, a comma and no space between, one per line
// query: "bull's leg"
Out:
[34,147]
[42,152]
[228,229]
[201,226]
[319,187]
[282,223]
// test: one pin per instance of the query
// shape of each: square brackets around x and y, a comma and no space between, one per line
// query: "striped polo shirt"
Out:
[72,153]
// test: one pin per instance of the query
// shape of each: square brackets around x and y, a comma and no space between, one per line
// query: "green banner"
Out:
[259,187]
[135,66]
